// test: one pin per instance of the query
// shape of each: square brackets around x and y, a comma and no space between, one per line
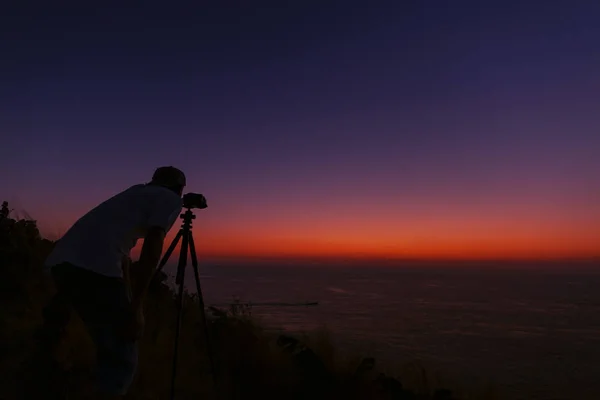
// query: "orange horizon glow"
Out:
[417,229]
[458,247]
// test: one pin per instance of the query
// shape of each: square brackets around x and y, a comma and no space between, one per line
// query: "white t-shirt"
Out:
[99,240]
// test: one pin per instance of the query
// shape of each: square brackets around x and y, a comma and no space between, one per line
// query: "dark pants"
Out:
[103,305]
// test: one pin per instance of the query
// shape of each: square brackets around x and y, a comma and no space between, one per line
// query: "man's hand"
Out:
[149,258]
[126,266]
[134,329]
[146,266]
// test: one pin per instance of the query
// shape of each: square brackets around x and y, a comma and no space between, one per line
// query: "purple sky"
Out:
[411,122]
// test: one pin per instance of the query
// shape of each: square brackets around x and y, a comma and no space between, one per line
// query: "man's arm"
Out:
[149,259]
[126,266]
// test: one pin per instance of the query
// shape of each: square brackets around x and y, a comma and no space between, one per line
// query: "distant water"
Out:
[535,333]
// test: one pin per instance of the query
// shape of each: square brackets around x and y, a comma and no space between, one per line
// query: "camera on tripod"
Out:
[194,200]
[190,201]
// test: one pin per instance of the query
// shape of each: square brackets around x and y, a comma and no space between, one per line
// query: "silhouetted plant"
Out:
[4,211]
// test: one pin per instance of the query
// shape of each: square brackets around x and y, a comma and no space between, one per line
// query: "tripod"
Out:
[187,243]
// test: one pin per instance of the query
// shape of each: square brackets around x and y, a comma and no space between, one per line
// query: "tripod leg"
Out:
[180,280]
[201,301]
[169,250]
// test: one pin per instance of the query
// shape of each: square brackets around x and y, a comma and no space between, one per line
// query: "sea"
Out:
[528,331]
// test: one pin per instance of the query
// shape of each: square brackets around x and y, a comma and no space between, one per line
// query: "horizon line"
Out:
[394,260]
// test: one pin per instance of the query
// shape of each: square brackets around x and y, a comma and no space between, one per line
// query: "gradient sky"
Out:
[462,129]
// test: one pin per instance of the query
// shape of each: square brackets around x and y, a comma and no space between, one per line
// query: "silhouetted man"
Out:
[89,263]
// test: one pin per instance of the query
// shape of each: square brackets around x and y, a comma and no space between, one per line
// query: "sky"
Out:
[380,129]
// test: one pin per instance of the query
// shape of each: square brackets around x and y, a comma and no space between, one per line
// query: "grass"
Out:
[251,362]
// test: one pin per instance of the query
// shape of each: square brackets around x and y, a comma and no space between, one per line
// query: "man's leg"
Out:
[56,316]
[42,373]
[104,309]
[116,361]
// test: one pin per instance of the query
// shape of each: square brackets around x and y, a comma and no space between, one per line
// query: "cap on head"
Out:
[169,176]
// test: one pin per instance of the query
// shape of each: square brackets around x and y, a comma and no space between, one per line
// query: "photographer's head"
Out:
[169,177]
